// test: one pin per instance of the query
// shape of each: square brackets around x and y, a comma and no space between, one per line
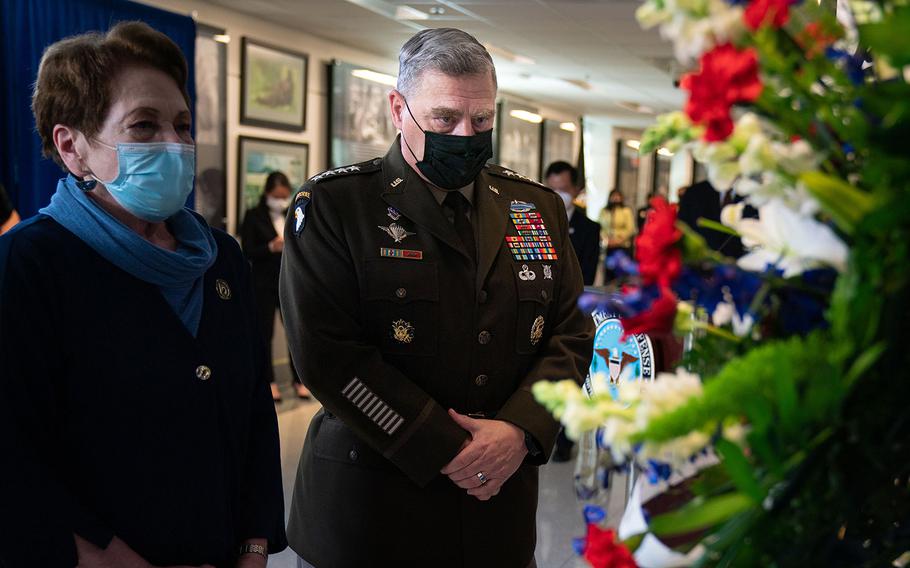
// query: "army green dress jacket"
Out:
[390,324]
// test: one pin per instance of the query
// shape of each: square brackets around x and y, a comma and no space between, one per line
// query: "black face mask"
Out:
[452,162]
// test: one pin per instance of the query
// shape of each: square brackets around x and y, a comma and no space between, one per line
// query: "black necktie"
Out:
[460,206]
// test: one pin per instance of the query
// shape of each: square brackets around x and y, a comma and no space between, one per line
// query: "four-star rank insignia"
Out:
[402,331]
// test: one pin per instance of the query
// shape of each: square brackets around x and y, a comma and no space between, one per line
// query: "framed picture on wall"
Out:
[257,158]
[273,85]
[558,143]
[360,127]
[519,139]
[211,126]
[628,162]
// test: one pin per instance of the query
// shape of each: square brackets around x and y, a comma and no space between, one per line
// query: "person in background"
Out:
[136,427]
[562,178]
[8,215]
[702,200]
[262,237]
[618,227]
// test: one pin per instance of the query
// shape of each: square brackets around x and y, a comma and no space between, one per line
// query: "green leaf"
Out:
[846,204]
[715,226]
[889,37]
[701,514]
[864,361]
[739,469]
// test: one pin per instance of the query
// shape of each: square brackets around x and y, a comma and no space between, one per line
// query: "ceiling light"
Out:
[581,84]
[665,152]
[222,38]
[568,126]
[375,77]
[635,107]
[509,55]
[526,116]
[634,144]
[405,12]
[437,10]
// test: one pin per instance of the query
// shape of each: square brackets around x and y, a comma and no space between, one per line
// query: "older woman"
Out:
[136,425]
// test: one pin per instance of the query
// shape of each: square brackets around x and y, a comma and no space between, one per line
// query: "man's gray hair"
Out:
[447,50]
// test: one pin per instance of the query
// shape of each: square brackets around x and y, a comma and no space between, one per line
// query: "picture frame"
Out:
[519,141]
[257,157]
[556,144]
[360,127]
[210,192]
[273,86]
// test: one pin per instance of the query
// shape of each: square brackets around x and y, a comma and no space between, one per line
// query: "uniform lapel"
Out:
[404,190]
[492,223]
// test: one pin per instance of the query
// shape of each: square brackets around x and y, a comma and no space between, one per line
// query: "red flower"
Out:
[815,39]
[727,76]
[761,12]
[655,320]
[602,550]
[659,259]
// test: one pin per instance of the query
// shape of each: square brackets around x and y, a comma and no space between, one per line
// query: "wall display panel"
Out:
[273,87]
[628,162]
[211,126]
[360,127]
[257,158]
[558,144]
[660,181]
[519,140]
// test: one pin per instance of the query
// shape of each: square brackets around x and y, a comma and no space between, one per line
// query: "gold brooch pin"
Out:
[402,331]
[537,330]
[224,291]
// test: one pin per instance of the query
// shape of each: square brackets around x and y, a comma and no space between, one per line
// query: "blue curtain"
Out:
[27,27]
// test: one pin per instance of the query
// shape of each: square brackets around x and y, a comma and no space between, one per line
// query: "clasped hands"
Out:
[496,449]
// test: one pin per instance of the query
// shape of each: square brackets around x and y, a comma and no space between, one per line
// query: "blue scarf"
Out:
[179,274]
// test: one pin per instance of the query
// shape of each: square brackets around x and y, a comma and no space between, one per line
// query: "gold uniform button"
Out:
[203,373]
[353,455]
[481,380]
[484,337]
[401,293]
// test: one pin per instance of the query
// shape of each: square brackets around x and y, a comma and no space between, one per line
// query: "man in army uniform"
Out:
[424,293]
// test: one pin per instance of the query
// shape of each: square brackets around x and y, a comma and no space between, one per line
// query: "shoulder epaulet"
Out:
[361,168]
[513,175]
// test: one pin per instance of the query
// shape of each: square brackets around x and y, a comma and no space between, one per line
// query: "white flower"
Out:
[792,242]
[694,26]
[736,432]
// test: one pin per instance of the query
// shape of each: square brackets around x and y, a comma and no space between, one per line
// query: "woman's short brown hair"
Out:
[73,85]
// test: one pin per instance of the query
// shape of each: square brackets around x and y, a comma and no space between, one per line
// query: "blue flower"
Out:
[622,264]
[852,63]
[658,471]
[580,544]
[594,514]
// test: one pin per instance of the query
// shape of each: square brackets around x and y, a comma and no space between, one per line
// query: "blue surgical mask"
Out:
[153,179]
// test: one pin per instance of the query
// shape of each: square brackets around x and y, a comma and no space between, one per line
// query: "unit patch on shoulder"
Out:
[301,201]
